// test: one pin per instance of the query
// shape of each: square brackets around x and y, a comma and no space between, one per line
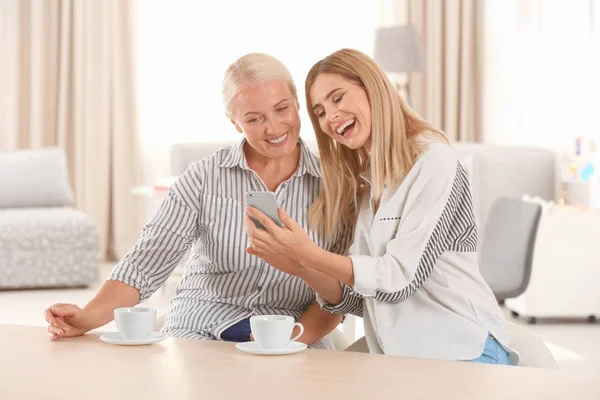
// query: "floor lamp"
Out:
[398,50]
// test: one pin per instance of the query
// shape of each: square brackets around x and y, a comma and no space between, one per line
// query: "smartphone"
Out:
[267,204]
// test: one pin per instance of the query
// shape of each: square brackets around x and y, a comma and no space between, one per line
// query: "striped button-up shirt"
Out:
[222,284]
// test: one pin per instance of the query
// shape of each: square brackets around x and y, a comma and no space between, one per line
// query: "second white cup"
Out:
[274,331]
[135,323]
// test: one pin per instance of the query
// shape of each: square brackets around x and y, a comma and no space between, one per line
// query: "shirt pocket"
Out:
[223,222]
[386,227]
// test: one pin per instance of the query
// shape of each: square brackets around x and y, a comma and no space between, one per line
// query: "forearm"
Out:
[317,324]
[330,264]
[327,287]
[111,295]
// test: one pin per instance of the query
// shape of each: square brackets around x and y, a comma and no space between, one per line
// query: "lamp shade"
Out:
[398,50]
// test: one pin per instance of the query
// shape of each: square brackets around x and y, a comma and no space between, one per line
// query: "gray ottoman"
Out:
[44,240]
[47,247]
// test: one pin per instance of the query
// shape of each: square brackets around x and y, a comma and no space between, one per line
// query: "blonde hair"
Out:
[393,152]
[250,69]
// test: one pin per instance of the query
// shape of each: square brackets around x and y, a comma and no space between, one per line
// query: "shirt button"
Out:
[259,288]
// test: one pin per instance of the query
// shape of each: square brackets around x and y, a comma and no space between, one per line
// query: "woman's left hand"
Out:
[290,241]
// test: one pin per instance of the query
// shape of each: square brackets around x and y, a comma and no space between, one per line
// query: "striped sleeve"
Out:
[437,217]
[352,303]
[164,239]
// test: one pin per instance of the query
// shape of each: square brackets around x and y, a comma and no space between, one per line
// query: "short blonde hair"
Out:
[393,152]
[250,69]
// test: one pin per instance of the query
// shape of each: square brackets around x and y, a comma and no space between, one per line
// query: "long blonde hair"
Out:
[393,152]
[250,69]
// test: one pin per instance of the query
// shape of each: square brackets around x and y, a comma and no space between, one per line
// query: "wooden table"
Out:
[33,367]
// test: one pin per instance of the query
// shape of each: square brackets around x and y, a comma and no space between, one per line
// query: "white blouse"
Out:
[417,282]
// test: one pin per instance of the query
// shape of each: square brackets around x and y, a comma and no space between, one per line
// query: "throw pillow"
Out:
[34,178]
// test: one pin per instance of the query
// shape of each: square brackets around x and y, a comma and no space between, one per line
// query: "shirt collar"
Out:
[309,162]
[235,156]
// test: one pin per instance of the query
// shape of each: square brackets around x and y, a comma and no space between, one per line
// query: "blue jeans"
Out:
[493,353]
[238,332]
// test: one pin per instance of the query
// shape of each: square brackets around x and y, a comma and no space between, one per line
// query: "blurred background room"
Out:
[104,103]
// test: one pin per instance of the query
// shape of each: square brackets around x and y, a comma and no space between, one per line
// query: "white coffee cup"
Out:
[274,331]
[135,323]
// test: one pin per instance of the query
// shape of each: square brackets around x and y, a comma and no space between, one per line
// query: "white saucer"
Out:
[253,348]
[115,338]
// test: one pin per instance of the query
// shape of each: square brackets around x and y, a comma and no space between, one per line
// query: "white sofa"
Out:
[494,171]
[503,171]
[44,241]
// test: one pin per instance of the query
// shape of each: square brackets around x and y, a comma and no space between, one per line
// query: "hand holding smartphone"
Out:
[266,203]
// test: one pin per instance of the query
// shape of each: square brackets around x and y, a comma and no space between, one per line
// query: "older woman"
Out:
[222,285]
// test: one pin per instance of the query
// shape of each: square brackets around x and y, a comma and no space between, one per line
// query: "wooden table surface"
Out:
[33,367]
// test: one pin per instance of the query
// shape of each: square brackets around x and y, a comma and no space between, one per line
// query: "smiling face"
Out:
[342,109]
[267,114]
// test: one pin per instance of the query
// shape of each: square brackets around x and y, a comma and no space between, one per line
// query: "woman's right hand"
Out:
[66,320]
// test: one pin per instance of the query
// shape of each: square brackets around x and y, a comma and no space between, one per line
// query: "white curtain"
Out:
[448,92]
[541,81]
[67,78]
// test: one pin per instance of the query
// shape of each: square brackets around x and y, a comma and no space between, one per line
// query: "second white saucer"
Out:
[254,348]
[115,338]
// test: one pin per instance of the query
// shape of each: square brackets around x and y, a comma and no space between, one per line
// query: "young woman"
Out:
[412,271]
